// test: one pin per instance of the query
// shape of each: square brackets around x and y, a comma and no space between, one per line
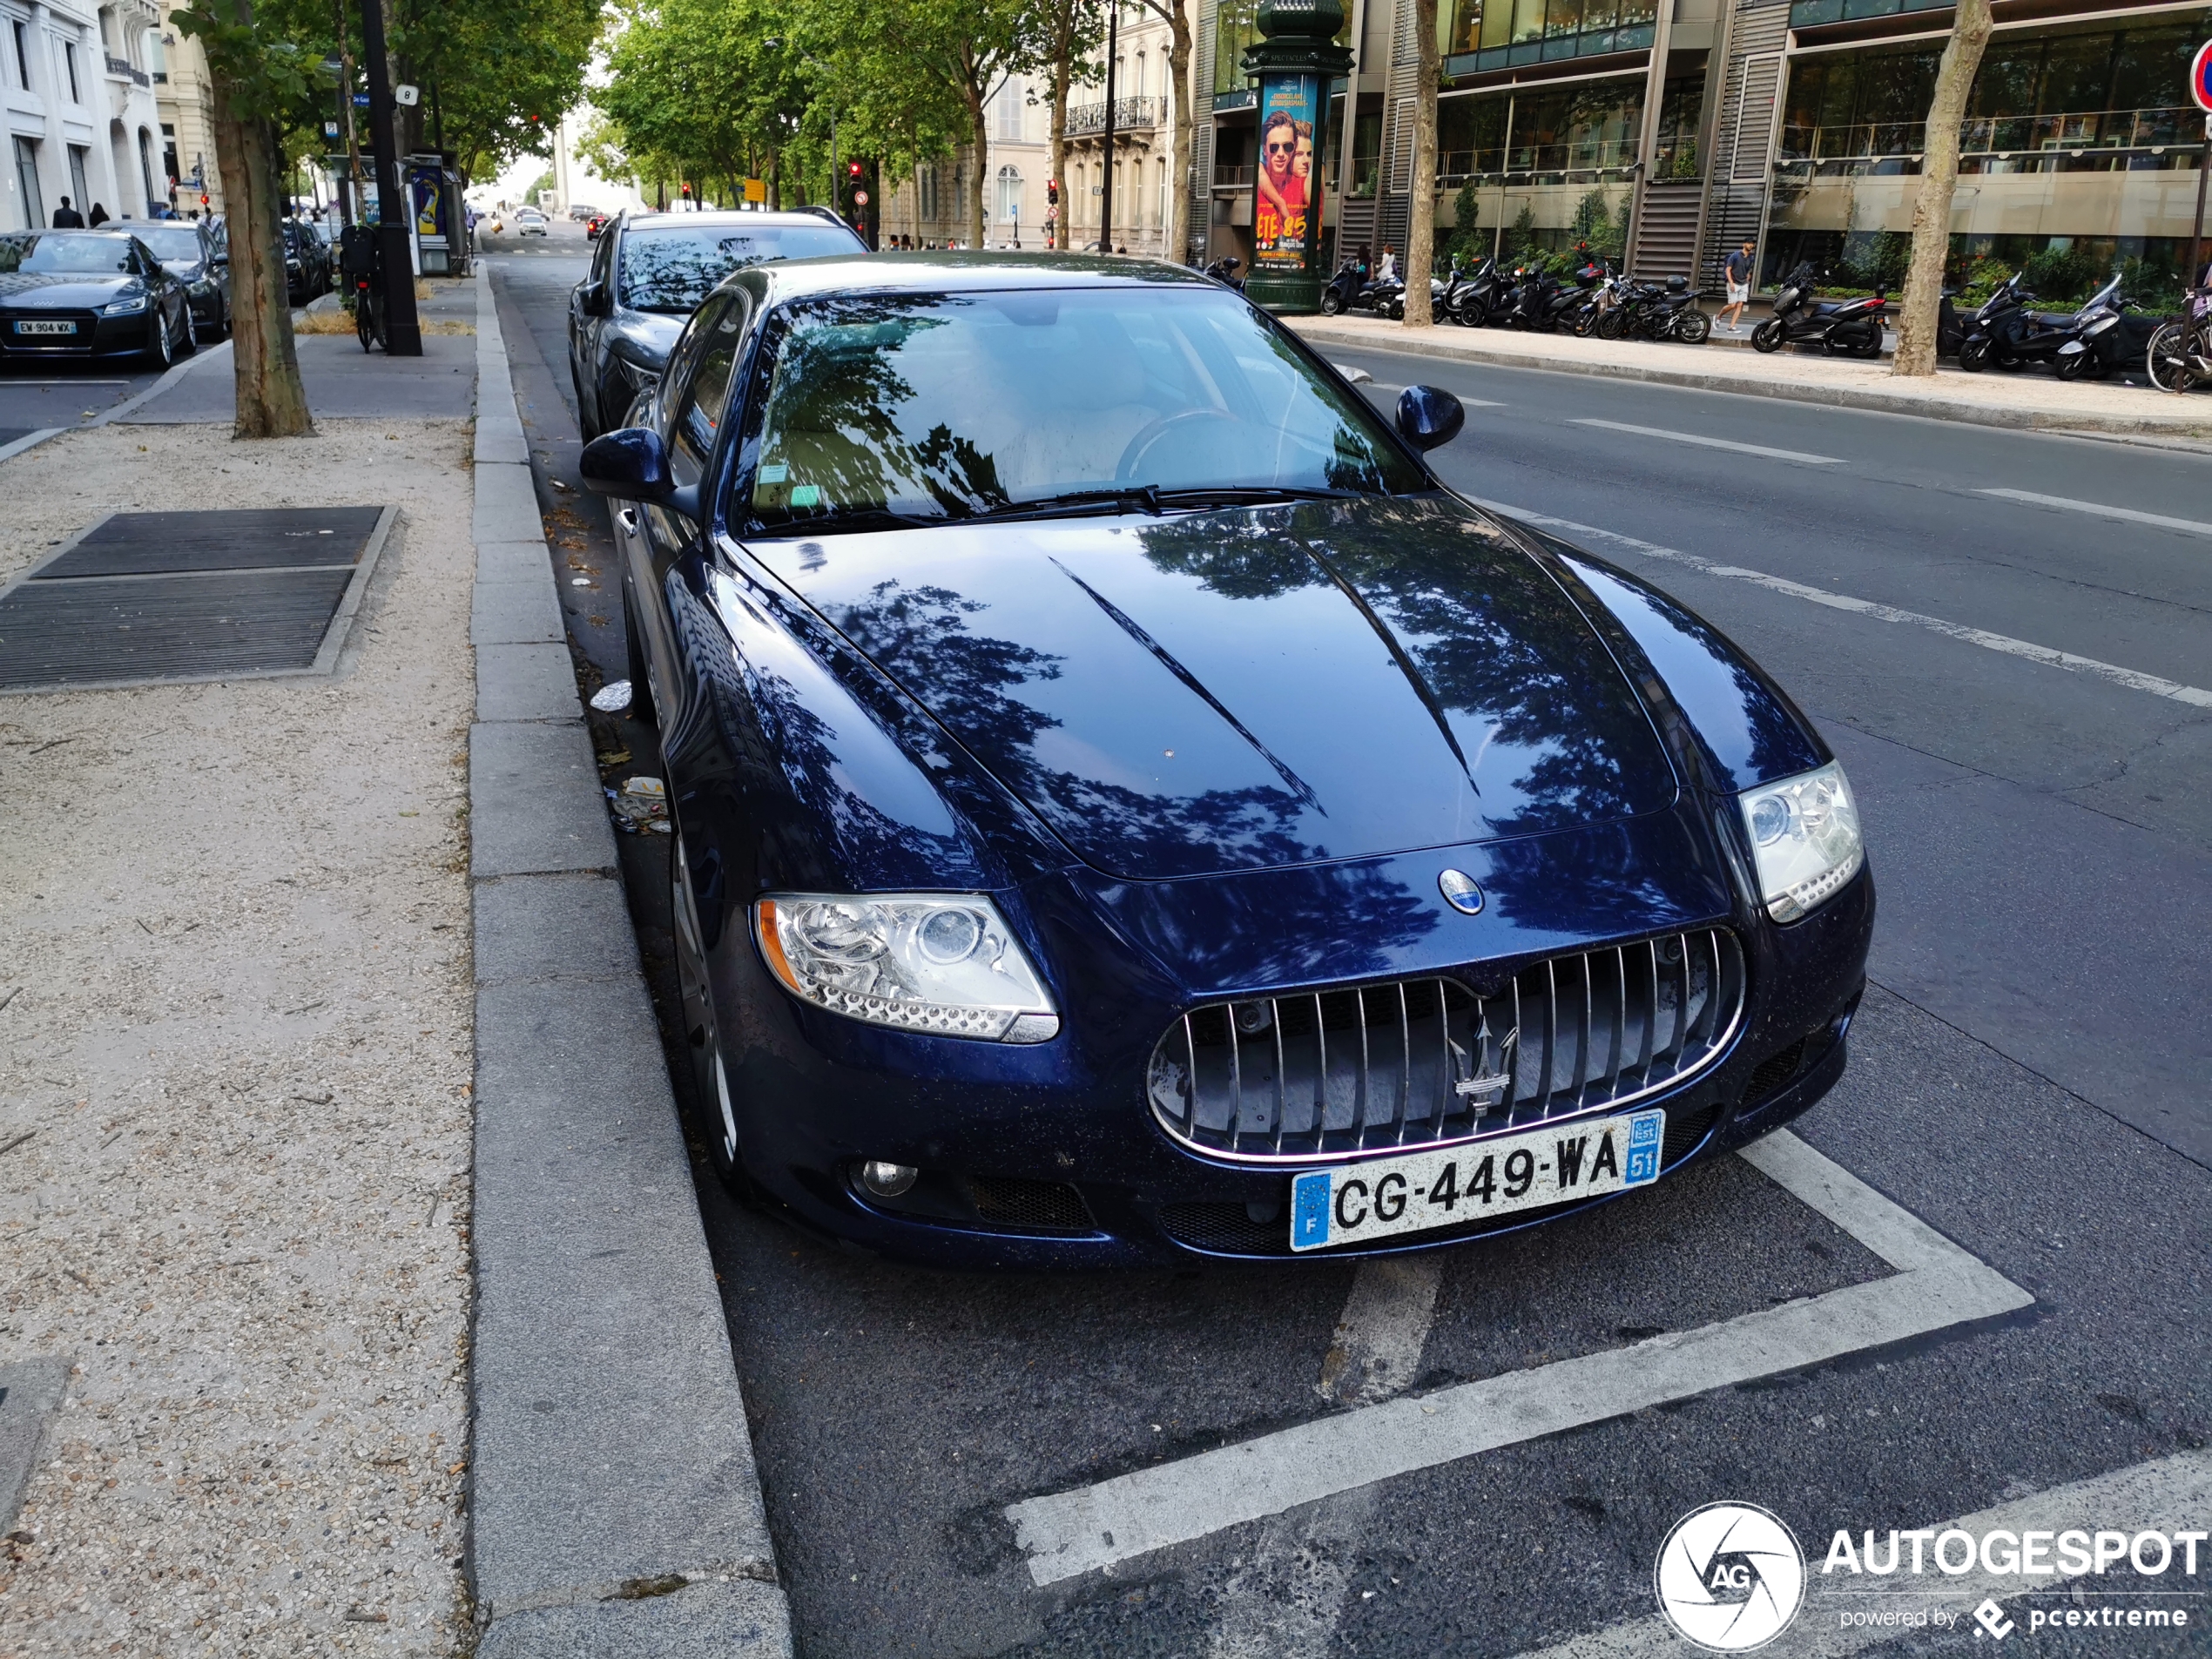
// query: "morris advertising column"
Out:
[1293,65]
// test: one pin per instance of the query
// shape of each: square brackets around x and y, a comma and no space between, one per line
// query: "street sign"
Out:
[756,190]
[405,96]
[859,198]
[361,100]
[330,129]
[2201,77]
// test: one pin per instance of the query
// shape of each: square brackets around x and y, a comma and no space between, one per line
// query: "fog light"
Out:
[887,1180]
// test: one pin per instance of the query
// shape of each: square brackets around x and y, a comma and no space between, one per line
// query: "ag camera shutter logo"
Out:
[1730,1577]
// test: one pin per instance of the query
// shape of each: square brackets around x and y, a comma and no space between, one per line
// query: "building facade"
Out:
[187,107]
[1017,161]
[77,110]
[1677,130]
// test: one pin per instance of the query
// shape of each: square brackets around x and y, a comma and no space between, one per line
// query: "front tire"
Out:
[1332,303]
[2167,362]
[710,1089]
[160,351]
[1767,336]
[2071,365]
[1973,356]
[188,336]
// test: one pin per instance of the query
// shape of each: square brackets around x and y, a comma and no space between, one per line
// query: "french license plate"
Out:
[45,327]
[1361,1203]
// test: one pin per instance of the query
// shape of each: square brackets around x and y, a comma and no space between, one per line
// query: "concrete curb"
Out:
[1450,347]
[615,1506]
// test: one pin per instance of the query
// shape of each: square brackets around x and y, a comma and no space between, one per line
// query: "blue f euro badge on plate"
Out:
[1369,1203]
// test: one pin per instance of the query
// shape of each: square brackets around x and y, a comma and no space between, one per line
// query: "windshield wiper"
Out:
[1150,498]
[1250,495]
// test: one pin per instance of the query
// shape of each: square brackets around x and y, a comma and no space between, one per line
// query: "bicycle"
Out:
[2180,355]
[364,270]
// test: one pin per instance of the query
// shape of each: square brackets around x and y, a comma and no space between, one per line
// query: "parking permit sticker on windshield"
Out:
[1362,1203]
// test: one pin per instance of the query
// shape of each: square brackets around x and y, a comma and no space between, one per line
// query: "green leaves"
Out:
[267,70]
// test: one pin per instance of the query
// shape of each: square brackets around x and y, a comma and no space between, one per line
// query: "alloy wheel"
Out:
[710,1075]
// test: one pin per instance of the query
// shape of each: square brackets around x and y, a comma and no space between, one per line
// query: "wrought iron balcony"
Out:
[122,66]
[1130,114]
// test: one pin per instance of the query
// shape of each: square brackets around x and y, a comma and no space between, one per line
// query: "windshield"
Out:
[674,269]
[172,242]
[65,254]
[936,407]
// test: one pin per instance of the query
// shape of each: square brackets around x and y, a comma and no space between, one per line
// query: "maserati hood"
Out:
[1239,689]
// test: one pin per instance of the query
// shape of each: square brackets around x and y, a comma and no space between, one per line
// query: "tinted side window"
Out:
[710,356]
[602,256]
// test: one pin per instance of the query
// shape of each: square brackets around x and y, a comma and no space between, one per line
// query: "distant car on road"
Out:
[529,222]
[580,212]
[648,273]
[195,255]
[90,293]
[593,225]
[1128,809]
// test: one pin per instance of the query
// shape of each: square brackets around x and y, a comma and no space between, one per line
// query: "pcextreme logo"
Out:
[1730,1577]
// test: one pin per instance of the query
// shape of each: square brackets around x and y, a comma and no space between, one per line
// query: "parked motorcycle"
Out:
[1992,318]
[1656,310]
[1541,302]
[1852,325]
[1480,296]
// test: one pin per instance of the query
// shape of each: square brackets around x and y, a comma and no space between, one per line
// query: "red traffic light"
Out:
[852,170]
[687,191]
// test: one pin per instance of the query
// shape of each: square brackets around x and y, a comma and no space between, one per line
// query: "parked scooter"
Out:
[2101,341]
[2022,336]
[1542,303]
[1854,326]
[1656,310]
[1480,296]
[1349,291]
[1990,320]
[1224,271]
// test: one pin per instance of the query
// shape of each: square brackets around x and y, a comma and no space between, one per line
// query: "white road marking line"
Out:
[1377,1349]
[2193,526]
[2168,1495]
[1464,402]
[1715,443]
[2134,679]
[1067,1534]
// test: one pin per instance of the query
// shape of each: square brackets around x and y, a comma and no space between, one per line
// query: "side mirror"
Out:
[220,258]
[1429,416]
[595,300]
[632,462]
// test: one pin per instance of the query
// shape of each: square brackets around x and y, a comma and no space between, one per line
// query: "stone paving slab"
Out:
[342,381]
[513,613]
[30,1393]
[2029,399]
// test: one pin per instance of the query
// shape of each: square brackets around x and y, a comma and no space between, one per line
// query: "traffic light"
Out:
[687,192]
[1052,192]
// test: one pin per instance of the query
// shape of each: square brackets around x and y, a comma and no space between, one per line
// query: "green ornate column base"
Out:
[1286,294]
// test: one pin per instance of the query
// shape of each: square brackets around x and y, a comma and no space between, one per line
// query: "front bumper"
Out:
[999,1131]
[96,336]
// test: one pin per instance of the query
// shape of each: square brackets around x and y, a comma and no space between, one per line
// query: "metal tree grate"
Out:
[143,598]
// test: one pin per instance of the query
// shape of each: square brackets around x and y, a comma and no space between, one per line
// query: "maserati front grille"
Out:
[1422,1062]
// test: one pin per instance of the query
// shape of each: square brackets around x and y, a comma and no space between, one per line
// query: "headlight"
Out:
[1804,834]
[124,307]
[946,965]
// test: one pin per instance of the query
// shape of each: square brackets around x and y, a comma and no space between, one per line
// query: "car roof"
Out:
[633,218]
[965,271]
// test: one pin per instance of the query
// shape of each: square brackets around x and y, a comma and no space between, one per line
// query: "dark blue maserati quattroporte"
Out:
[1127,808]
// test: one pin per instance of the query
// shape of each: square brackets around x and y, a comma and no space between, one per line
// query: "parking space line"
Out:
[2168,1496]
[2134,679]
[1377,1349]
[1715,443]
[1065,1534]
[2191,525]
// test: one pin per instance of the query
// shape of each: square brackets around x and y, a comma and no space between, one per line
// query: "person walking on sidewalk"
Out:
[67,217]
[1739,285]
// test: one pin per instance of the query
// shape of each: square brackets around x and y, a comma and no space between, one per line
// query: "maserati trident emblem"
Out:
[1461,892]
[1482,1083]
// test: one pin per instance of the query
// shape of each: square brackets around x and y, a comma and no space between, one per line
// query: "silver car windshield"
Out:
[951,406]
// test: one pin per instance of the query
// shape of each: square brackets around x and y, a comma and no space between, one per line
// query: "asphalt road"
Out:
[2023,1081]
[36,395]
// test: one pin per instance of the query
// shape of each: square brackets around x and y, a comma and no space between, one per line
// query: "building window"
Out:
[1160,212]
[77,157]
[1009,193]
[23,54]
[146,168]
[34,206]
[68,61]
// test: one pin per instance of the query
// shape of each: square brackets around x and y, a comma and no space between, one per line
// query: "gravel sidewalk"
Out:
[234,1083]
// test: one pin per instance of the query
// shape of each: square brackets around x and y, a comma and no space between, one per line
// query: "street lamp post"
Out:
[1106,143]
[402,329]
[1292,64]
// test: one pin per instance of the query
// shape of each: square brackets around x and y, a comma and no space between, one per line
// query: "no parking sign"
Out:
[2201,77]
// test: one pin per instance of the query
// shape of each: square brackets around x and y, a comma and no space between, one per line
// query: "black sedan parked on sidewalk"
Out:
[1127,808]
[90,294]
[648,274]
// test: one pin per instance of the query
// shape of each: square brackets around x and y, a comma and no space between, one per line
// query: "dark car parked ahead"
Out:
[307,263]
[648,274]
[1126,807]
[194,253]
[90,293]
